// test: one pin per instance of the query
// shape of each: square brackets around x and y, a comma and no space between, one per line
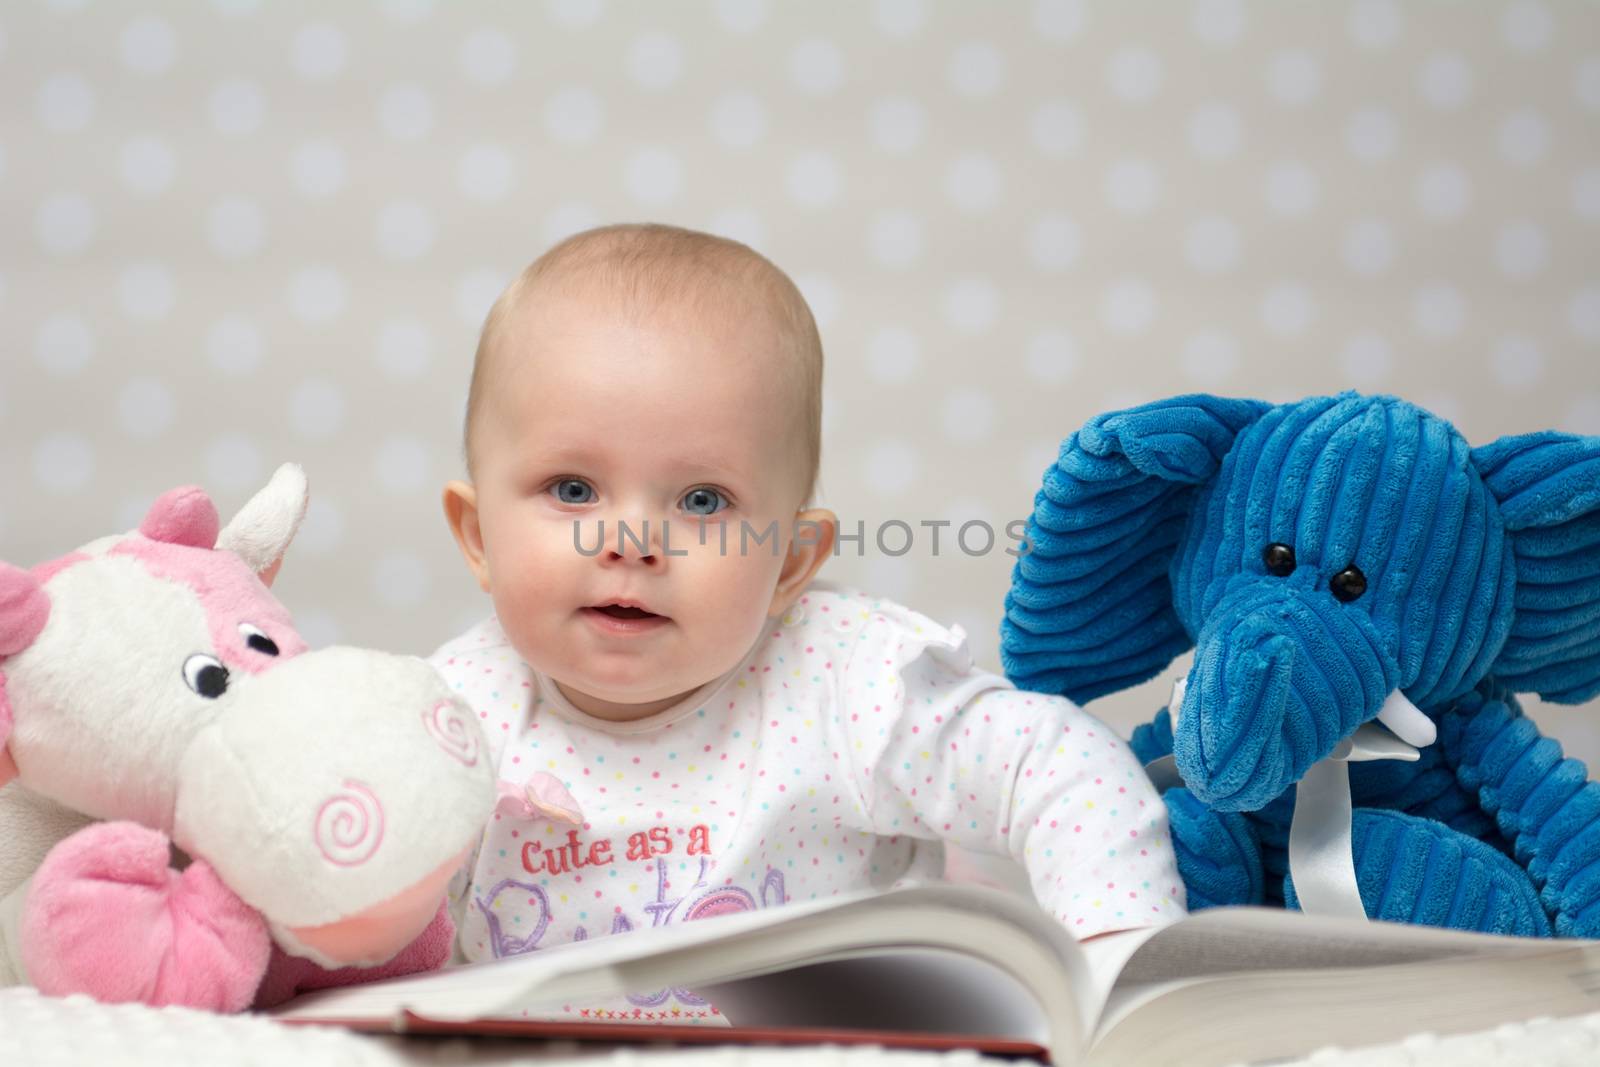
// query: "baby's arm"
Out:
[940,748]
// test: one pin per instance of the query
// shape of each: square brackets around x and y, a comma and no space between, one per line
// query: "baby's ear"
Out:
[1548,488]
[1090,608]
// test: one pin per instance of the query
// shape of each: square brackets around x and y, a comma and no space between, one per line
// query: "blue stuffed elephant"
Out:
[1327,560]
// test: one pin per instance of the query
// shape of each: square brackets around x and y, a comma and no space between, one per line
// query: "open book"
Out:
[963,966]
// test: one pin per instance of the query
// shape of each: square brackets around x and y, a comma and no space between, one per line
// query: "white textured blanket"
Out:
[37,1031]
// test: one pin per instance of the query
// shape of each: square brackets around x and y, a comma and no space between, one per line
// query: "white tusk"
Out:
[1180,686]
[1407,721]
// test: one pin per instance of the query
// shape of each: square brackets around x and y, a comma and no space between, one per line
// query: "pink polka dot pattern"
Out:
[854,736]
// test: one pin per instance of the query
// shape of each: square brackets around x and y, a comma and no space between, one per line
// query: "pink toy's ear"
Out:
[24,609]
[183,516]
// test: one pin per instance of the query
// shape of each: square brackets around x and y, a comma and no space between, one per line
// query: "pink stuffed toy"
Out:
[194,808]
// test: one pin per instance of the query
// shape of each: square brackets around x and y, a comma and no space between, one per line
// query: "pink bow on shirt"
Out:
[541,796]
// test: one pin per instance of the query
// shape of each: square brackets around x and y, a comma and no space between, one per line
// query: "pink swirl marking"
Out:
[452,732]
[349,826]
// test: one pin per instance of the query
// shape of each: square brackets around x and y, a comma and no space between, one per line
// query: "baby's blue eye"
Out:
[694,499]
[573,491]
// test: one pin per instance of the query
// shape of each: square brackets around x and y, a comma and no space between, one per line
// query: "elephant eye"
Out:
[258,640]
[1279,559]
[205,675]
[1348,584]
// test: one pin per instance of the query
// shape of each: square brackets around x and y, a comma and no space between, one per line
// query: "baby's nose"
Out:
[636,539]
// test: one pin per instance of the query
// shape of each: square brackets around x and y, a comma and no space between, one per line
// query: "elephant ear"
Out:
[1548,488]
[1090,608]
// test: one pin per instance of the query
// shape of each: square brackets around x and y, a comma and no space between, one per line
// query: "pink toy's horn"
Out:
[183,516]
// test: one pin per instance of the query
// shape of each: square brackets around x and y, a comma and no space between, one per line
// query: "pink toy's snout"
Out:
[381,931]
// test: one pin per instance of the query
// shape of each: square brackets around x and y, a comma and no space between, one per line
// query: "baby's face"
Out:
[595,420]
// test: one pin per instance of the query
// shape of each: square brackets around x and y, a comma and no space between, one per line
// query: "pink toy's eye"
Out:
[258,640]
[205,675]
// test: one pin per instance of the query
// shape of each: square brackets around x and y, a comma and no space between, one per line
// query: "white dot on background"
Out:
[405,229]
[976,69]
[740,224]
[816,66]
[488,57]
[574,14]
[971,305]
[891,467]
[1445,80]
[812,179]
[318,51]
[895,238]
[63,462]
[1371,134]
[1060,20]
[1524,138]
[401,464]
[897,124]
[148,45]
[317,168]
[404,349]
[317,294]
[64,224]
[145,291]
[1134,74]
[653,176]
[1051,357]
[1209,358]
[738,119]
[1293,77]
[973,183]
[1128,306]
[1217,22]
[892,355]
[235,227]
[322,531]
[476,292]
[1521,249]
[1212,244]
[1366,359]
[1375,23]
[1517,362]
[1053,242]
[1368,247]
[968,415]
[741,16]
[234,345]
[64,345]
[655,60]
[822,294]
[316,409]
[573,115]
[564,220]
[65,103]
[1215,131]
[400,579]
[485,172]
[1586,83]
[1287,308]
[1438,311]
[1132,186]
[1586,193]
[900,18]
[237,107]
[1056,129]
[406,112]
[1526,26]
[1443,191]
[1583,313]
[146,165]
[233,461]
[1292,188]
[145,407]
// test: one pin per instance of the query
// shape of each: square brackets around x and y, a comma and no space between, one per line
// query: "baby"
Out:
[685,723]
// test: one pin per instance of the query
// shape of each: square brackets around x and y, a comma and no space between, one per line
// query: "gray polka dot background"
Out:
[240,232]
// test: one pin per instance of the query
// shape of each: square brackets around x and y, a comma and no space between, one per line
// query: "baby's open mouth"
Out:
[617,611]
